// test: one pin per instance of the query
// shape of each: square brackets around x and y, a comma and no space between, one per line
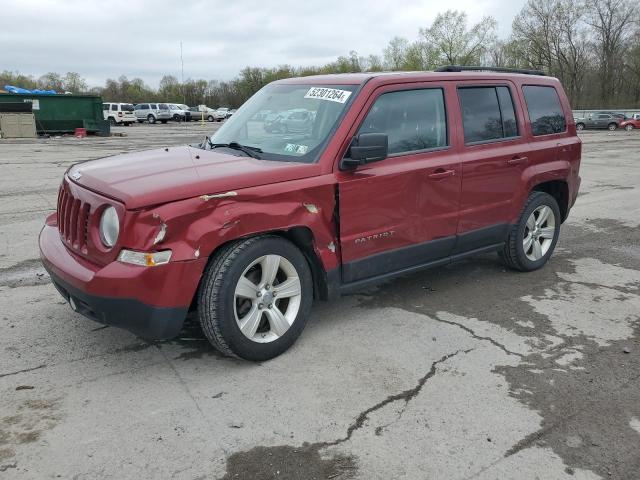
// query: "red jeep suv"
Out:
[386,174]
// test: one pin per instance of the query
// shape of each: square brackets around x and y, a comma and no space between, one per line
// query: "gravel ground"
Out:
[467,371]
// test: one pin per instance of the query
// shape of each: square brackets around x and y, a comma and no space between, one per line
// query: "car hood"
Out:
[153,177]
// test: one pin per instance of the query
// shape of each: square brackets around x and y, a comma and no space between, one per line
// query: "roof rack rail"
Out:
[472,68]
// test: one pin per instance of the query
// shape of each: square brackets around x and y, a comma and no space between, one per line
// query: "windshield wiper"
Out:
[251,151]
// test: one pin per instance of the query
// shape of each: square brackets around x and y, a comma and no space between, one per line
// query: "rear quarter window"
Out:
[545,111]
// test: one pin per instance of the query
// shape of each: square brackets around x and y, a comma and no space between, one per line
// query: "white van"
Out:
[118,113]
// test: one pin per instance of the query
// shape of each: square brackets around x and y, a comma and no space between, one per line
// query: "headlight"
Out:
[109,227]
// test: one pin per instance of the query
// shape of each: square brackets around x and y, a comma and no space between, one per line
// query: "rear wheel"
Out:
[532,240]
[112,121]
[612,126]
[210,118]
[628,127]
[579,126]
[255,297]
[151,119]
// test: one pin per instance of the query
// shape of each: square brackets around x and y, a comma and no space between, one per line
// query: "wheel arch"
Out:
[558,189]
[303,238]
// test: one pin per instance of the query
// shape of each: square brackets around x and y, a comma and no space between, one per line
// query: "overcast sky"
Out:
[141,38]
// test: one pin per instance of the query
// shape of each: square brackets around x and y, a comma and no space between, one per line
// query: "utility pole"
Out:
[184,96]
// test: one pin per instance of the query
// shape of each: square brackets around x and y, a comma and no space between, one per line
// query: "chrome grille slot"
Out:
[73,220]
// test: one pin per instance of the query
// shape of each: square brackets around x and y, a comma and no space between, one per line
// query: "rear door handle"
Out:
[440,173]
[517,160]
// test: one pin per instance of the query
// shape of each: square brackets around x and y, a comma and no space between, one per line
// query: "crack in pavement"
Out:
[478,337]
[306,462]
[22,371]
[406,395]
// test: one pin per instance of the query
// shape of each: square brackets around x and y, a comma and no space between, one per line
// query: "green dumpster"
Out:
[63,113]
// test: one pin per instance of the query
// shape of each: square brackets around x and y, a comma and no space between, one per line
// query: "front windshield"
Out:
[287,122]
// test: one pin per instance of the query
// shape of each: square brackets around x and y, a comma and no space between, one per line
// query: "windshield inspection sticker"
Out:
[331,94]
[293,148]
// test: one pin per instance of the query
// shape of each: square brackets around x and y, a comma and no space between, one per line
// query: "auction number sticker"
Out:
[331,94]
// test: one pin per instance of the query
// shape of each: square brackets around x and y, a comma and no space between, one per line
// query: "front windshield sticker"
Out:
[292,147]
[331,94]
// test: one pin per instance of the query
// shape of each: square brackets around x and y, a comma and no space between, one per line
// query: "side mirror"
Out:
[366,148]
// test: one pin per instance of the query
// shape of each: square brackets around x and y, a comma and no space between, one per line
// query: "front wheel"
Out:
[579,126]
[151,119]
[177,118]
[532,240]
[628,128]
[255,297]
[210,118]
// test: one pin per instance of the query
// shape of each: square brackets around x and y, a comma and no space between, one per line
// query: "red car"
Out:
[398,172]
[630,123]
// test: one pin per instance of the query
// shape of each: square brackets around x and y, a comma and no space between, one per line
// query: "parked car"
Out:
[403,172]
[231,112]
[118,113]
[202,111]
[152,112]
[179,113]
[299,120]
[598,120]
[221,114]
[630,123]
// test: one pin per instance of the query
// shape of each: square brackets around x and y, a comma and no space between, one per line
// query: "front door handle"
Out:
[517,160]
[440,173]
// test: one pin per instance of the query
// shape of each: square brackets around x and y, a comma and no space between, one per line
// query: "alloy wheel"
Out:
[267,298]
[539,232]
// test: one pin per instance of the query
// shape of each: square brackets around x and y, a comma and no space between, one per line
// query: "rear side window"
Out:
[412,119]
[487,114]
[105,106]
[114,107]
[545,112]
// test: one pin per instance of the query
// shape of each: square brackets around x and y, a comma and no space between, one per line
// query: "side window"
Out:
[105,107]
[509,123]
[412,119]
[114,107]
[153,106]
[487,113]
[545,111]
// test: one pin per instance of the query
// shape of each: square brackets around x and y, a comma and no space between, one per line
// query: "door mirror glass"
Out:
[366,148]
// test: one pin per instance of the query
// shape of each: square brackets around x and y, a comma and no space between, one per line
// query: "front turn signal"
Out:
[144,259]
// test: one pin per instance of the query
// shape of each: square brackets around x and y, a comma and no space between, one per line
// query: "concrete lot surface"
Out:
[464,372]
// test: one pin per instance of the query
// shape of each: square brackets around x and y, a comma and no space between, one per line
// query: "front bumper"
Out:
[151,302]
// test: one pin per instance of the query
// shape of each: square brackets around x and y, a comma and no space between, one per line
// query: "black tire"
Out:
[628,127]
[216,297]
[112,121]
[176,118]
[612,126]
[513,254]
[151,119]
[580,126]
[210,118]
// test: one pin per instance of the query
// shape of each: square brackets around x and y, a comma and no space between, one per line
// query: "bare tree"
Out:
[450,40]
[395,53]
[551,35]
[612,22]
